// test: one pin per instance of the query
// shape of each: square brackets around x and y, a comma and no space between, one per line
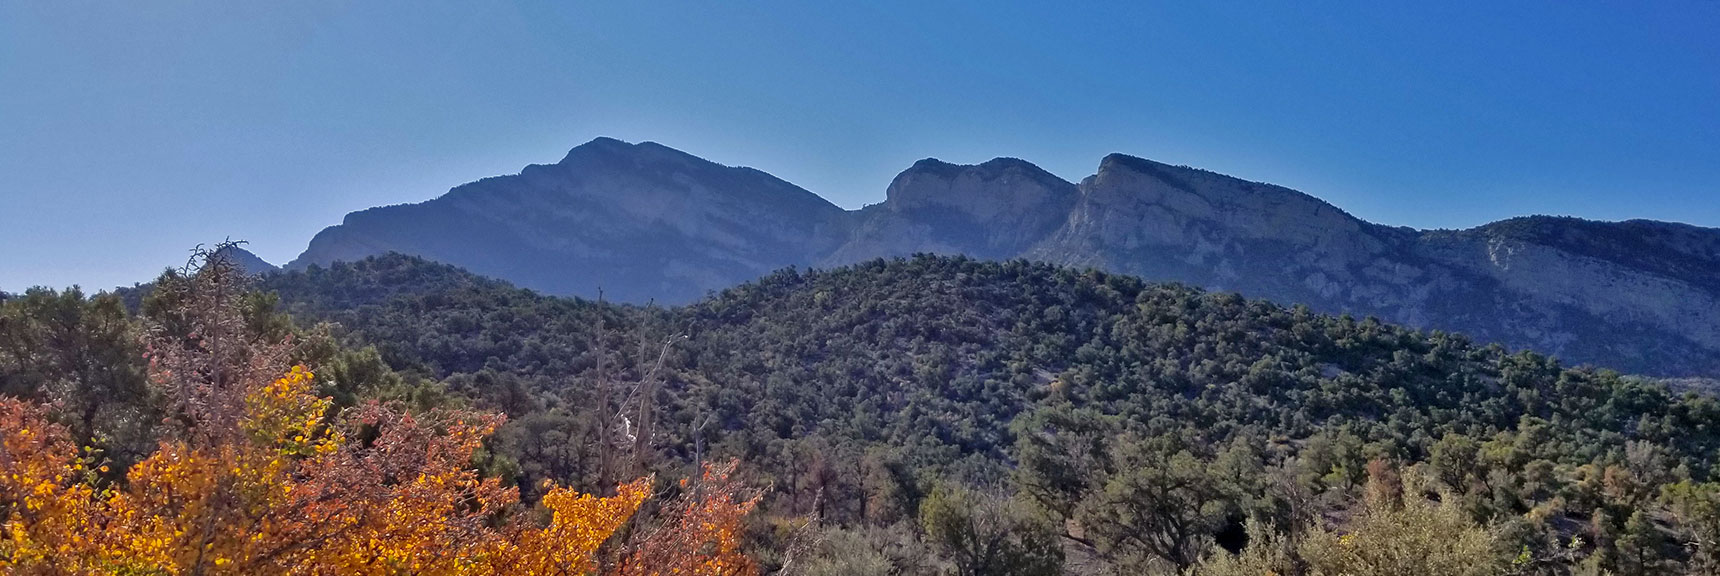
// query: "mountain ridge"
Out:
[646,222]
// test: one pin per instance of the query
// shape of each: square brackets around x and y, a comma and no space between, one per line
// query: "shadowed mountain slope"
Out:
[639,221]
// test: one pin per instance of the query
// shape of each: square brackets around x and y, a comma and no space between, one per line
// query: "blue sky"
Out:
[131,131]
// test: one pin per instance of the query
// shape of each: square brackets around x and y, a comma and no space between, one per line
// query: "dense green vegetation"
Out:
[948,415]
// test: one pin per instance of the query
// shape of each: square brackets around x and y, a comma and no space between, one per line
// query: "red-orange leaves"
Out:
[45,494]
[700,533]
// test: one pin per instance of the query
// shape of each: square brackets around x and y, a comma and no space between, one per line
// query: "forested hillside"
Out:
[940,415]
[860,392]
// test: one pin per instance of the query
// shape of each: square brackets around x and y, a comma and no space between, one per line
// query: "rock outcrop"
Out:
[995,210]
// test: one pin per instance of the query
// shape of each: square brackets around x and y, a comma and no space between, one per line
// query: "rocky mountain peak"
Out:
[653,177]
[996,209]
[1206,188]
[598,147]
[640,221]
[609,156]
[980,191]
[1244,208]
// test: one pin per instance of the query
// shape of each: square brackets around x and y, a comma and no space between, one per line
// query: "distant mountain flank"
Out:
[250,263]
[642,222]
[645,222]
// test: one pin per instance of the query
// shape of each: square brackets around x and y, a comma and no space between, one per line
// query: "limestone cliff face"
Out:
[1644,295]
[1567,287]
[646,222]
[1159,221]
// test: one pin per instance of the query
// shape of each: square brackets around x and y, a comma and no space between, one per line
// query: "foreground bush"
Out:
[1395,532]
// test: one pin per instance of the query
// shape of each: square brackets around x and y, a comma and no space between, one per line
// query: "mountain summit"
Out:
[996,210]
[639,221]
[645,222]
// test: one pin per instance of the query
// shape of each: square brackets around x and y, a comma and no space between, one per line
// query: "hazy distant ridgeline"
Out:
[649,223]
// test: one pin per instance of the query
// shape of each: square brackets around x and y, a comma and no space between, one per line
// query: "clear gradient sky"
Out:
[131,131]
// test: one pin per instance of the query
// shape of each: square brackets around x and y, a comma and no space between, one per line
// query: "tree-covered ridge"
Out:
[859,391]
[966,345]
[993,334]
